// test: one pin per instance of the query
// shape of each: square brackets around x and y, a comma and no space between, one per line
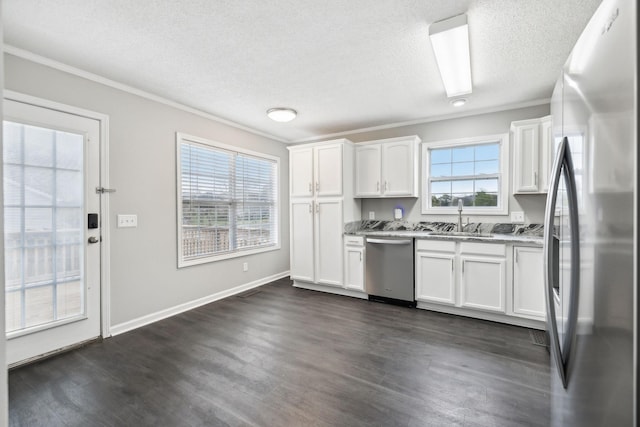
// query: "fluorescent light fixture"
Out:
[282,114]
[450,41]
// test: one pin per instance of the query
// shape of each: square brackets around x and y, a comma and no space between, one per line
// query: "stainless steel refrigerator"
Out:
[590,229]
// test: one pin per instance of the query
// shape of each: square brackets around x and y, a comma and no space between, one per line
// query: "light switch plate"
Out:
[125,221]
[372,215]
[517,217]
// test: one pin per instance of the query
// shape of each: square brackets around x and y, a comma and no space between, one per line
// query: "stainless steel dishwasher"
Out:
[389,270]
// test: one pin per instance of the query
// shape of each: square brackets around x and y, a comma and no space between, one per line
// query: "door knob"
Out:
[93,239]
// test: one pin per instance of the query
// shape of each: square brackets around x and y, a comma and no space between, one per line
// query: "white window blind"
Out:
[228,201]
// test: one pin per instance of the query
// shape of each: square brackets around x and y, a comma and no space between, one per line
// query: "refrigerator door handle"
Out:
[549,257]
[574,228]
[563,165]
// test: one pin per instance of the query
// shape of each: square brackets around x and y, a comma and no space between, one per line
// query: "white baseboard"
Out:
[181,308]
[330,289]
[478,314]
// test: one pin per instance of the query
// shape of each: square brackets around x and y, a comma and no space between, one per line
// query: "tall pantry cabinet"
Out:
[321,201]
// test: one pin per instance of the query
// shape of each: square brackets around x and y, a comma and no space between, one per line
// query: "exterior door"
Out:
[52,250]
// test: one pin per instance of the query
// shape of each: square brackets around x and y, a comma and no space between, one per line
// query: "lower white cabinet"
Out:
[480,269]
[316,240]
[328,241]
[528,283]
[354,263]
[435,272]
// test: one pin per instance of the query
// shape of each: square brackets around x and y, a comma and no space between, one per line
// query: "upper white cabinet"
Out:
[387,168]
[368,170]
[532,155]
[320,204]
[316,170]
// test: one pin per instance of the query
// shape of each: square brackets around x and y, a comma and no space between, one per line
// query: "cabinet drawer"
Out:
[435,245]
[354,240]
[494,249]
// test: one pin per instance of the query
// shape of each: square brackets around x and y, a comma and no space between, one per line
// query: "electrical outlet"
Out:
[372,215]
[517,217]
[245,266]
[125,221]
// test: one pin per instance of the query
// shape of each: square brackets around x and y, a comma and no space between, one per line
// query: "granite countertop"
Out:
[531,234]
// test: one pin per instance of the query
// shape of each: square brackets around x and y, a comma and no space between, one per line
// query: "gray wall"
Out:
[144,274]
[465,127]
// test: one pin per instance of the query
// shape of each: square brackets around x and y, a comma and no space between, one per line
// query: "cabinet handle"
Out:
[317,187]
[385,186]
[378,186]
[310,207]
[310,187]
[516,256]
[535,178]
[317,207]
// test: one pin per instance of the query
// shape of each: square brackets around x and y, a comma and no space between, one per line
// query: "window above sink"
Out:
[471,170]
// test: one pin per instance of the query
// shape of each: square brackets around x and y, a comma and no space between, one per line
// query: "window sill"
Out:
[225,256]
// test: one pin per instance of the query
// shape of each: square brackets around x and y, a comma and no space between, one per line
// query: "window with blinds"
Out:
[227,201]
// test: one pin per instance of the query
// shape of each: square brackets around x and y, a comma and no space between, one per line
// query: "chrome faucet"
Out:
[459,214]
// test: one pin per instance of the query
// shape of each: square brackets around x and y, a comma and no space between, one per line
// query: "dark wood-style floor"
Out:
[290,357]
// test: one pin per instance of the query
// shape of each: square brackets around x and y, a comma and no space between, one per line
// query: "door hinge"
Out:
[102,190]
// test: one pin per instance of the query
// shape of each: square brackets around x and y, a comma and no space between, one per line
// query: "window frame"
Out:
[234,253]
[503,175]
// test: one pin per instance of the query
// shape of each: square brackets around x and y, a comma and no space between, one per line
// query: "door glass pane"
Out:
[44,225]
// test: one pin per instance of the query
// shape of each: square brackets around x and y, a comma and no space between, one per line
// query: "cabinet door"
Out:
[528,283]
[483,283]
[328,170]
[328,248]
[301,172]
[435,277]
[354,268]
[525,158]
[368,170]
[547,151]
[398,169]
[302,247]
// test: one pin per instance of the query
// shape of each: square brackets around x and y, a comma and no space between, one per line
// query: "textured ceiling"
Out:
[342,64]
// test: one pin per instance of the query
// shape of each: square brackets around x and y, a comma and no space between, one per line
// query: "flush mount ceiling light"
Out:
[281,114]
[450,41]
[458,102]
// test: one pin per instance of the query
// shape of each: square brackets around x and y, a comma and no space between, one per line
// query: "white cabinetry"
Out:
[435,271]
[474,279]
[483,275]
[387,168]
[354,263]
[528,283]
[532,155]
[321,202]
[316,170]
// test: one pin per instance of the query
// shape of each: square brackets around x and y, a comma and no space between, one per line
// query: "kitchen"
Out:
[143,259]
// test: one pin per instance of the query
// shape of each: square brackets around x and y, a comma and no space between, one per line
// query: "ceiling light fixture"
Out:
[450,41]
[458,102]
[282,114]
